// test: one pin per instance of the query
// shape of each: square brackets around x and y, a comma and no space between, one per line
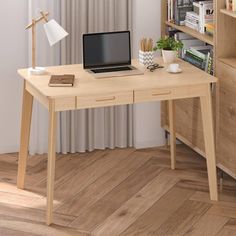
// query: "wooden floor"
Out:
[123,192]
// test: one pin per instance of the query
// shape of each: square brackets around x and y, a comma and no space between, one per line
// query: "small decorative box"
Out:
[146,58]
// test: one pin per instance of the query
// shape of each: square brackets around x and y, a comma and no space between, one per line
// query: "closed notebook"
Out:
[61,81]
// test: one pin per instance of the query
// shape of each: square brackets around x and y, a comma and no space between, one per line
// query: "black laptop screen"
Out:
[106,49]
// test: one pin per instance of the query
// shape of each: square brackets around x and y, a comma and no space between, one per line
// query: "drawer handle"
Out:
[163,93]
[106,99]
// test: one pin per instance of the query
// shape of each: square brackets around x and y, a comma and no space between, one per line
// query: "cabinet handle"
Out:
[163,93]
[106,99]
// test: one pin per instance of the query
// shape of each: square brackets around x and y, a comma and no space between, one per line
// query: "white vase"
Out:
[169,56]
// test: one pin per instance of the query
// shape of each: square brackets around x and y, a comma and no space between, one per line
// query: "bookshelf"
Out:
[203,37]
[229,13]
[231,61]
[188,112]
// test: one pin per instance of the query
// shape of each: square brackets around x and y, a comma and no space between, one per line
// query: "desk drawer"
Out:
[152,95]
[101,100]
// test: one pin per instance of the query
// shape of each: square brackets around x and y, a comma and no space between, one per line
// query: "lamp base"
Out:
[37,71]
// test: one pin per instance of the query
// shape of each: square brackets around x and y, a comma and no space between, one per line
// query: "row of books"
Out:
[177,10]
[201,16]
[196,52]
[195,14]
[230,5]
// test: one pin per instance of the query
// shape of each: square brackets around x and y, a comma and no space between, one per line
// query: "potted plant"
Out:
[169,46]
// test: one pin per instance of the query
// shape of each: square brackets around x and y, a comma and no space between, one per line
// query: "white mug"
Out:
[174,67]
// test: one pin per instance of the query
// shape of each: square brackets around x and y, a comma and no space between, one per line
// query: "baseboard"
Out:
[8,149]
[149,144]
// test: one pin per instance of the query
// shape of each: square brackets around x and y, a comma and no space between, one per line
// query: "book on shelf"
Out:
[209,29]
[66,80]
[192,20]
[196,52]
[201,51]
[176,10]
[191,13]
[203,59]
[187,43]
[205,10]
[194,61]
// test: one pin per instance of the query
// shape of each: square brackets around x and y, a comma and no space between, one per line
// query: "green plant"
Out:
[168,43]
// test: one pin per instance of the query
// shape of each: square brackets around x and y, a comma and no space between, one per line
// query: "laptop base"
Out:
[114,72]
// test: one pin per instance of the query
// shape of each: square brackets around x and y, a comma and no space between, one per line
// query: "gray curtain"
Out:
[98,128]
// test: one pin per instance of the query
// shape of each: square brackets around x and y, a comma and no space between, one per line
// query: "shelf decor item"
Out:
[146,53]
[170,47]
[54,33]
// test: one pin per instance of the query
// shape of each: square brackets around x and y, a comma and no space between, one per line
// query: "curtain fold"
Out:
[99,128]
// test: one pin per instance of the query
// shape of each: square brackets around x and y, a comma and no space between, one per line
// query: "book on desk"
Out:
[65,80]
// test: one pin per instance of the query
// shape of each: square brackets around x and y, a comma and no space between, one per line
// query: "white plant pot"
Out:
[169,56]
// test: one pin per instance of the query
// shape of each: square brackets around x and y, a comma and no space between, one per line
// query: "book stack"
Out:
[196,52]
[192,20]
[205,11]
[177,10]
[201,57]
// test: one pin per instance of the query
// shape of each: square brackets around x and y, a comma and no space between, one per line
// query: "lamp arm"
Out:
[43,17]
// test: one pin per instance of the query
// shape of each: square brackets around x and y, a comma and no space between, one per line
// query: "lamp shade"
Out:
[54,32]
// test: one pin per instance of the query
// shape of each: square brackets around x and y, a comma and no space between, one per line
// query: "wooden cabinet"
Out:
[226,140]
[188,112]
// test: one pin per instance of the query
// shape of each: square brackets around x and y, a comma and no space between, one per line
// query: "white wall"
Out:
[146,23]
[13,55]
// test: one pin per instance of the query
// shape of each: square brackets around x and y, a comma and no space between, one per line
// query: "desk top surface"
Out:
[86,84]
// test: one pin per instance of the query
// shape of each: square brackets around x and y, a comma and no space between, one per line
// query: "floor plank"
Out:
[182,219]
[20,227]
[33,214]
[99,211]
[152,219]
[122,218]
[227,232]
[226,211]
[208,225]
[103,185]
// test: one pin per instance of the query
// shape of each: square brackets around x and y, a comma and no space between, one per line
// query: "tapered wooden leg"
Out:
[51,160]
[207,117]
[24,138]
[172,133]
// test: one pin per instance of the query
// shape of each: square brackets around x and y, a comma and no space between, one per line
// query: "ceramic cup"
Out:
[174,67]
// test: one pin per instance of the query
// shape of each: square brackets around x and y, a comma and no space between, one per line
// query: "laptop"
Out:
[108,54]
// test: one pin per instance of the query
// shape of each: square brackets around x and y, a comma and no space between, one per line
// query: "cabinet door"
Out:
[226,140]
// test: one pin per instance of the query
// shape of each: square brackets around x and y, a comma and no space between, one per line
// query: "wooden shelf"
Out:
[203,37]
[230,61]
[228,13]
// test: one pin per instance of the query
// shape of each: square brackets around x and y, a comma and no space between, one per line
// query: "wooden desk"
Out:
[89,92]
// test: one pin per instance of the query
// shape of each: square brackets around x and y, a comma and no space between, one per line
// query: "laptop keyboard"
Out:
[115,69]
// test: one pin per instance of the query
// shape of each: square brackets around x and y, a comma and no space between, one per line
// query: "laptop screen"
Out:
[106,49]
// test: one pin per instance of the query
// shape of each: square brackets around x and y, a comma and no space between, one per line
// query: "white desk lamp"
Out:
[54,33]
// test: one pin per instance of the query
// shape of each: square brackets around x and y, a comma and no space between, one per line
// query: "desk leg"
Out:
[172,133]
[51,160]
[25,135]
[207,118]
